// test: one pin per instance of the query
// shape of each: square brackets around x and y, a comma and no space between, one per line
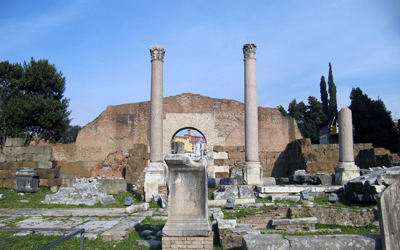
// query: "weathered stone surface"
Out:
[334,242]
[389,216]
[264,242]
[227,181]
[113,186]
[137,161]
[225,192]
[269,181]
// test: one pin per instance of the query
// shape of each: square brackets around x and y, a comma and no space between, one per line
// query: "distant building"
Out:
[187,142]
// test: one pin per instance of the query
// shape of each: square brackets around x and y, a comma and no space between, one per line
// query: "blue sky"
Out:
[102,48]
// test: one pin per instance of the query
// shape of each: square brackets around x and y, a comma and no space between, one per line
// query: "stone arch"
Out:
[202,122]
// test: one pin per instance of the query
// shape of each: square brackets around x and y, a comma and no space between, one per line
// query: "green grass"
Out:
[12,200]
[35,241]
[210,193]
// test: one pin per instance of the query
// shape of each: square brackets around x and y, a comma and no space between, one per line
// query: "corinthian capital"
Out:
[249,50]
[157,52]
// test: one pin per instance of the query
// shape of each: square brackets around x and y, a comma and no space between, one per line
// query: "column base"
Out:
[346,171]
[253,173]
[155,176]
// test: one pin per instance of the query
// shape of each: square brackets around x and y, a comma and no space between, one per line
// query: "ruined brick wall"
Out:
[221,121]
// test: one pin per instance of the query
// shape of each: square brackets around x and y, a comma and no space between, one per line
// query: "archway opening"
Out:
[189,140]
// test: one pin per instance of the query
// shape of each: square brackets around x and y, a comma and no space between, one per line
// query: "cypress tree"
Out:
[324,99]
[333,111]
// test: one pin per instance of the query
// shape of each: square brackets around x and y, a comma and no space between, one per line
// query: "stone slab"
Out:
[294,189]
[297,221]
[389,216]
[264,242]
[334,242]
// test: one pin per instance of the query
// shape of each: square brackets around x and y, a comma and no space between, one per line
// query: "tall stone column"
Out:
[155,172]
[346,169]
[252,170]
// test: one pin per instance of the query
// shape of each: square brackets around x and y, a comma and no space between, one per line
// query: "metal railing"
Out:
[75,231]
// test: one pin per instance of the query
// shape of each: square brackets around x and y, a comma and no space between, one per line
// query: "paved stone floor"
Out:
[111,224]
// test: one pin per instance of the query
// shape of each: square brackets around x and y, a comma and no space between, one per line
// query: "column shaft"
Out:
[346,152]
[156,111]
[251,107]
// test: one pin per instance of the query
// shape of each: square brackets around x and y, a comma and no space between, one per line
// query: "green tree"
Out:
[372,121]
[70,134]
[282,110]
[309,117]
[324,99]
[10,76]
[333,110]
[37,107]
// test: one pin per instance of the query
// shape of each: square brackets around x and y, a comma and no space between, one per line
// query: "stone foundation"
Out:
[187,242]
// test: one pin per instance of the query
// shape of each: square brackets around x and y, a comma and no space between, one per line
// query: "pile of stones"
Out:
[84,191]
[366,187]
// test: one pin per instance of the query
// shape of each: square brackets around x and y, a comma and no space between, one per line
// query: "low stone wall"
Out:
[331,216]
[15,156]
[314,158]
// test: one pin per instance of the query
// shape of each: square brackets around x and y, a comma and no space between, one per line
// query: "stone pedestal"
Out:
[155,176]
[346,169]
[188,203]
[253,173]
[27,180]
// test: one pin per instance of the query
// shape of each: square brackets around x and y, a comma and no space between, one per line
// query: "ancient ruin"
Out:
[254,159]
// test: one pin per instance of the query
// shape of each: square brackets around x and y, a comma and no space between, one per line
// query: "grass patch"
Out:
[210,193]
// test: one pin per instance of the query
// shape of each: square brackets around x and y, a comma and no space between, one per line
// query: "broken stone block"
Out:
[230,203]
[333,197]
[232,237]
[27,180]
[218,215]
[137,208]
[267,181]
[304,195]
[225,192]
[128,201]
[223,224]
[246,192]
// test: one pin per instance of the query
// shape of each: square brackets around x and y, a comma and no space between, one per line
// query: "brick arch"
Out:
[204,123]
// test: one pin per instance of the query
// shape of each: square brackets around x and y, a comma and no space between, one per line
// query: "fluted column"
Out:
[156,104]
[155,172]
[252,170]
[346,169]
